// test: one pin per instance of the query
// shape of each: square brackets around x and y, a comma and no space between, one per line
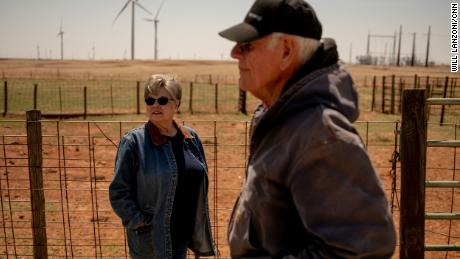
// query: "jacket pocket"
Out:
[140,241]
[242,236]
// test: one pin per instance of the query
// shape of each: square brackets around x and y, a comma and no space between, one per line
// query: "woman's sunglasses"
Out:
[161,101]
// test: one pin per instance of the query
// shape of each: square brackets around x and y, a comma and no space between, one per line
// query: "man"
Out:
[310,190]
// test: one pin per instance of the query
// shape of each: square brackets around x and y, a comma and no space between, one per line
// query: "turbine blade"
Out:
[143,8]
[159,8]
[148,20]
[122,9]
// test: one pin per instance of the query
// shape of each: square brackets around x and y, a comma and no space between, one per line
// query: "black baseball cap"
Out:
[294,17]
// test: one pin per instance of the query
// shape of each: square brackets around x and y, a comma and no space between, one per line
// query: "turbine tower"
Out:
[38,51]
[133,3]
[155,22]
[61,34]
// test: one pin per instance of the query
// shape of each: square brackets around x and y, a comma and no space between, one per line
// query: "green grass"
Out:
[108,97]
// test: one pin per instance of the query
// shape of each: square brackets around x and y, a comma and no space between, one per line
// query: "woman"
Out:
[160,185]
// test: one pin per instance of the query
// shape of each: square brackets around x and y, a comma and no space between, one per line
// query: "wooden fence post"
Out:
[242,102]
[427,85]
[190,103]
[413,172]
[444,95]
[138,105]
[60,101]
[383,94]
[35,96]
[374,84]
[401,87]
[393,92]
[111,97]
[415,81]
[216,99]
[85,103]
[37,196]
[5,98]
[429,93]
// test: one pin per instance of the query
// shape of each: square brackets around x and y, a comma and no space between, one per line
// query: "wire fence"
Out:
[383,94]
[107,97]
[61,98]
[78,161]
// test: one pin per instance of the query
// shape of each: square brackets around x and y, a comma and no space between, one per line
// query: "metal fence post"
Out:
[216,97]
[37,196]
[85,103]
[444,95]
[374,84]
[242,102]
[5,98]
[35,96]
[138,105]
[413,172]
[190,103]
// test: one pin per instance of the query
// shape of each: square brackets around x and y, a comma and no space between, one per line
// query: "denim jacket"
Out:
[143,188]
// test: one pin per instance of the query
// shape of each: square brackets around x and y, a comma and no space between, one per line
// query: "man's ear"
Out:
[289,52]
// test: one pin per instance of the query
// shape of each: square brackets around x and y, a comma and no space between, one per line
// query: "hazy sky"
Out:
[188,28]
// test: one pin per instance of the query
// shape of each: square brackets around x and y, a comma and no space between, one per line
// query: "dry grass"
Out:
[442,163]
[185,69]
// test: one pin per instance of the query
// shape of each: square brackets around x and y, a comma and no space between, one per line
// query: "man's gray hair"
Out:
[166,81]
[307,46]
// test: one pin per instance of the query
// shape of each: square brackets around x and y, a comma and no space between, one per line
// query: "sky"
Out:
[188,29]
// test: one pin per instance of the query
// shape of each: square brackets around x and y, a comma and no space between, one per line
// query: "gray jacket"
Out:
[143,189]
[311,190]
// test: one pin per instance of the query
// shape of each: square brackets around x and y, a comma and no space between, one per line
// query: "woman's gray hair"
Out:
[307,46]
[166,81]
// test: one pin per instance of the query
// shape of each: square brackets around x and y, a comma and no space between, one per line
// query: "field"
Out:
[186,70]
[78,159]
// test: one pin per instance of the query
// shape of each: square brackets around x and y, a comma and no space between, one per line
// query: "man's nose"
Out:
[236,52]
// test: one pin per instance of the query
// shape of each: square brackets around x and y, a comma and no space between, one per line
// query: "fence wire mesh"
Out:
[78,161]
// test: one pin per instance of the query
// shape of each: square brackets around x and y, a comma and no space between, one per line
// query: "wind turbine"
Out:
[155,21]
[38,51]
[61,33]
[133,3]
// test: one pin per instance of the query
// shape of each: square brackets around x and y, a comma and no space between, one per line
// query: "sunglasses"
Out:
[245,47]
[161,101]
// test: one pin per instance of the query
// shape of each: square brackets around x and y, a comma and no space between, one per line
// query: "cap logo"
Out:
[255,16]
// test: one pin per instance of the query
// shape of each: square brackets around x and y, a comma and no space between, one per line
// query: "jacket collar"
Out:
[325,56]
[158,139]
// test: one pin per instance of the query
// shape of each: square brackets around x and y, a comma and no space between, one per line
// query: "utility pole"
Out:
[393,54]
[412,61]
[38,52]
[428,46]
[399,46]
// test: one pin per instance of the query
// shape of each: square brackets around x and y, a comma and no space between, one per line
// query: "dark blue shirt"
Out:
[190,177]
